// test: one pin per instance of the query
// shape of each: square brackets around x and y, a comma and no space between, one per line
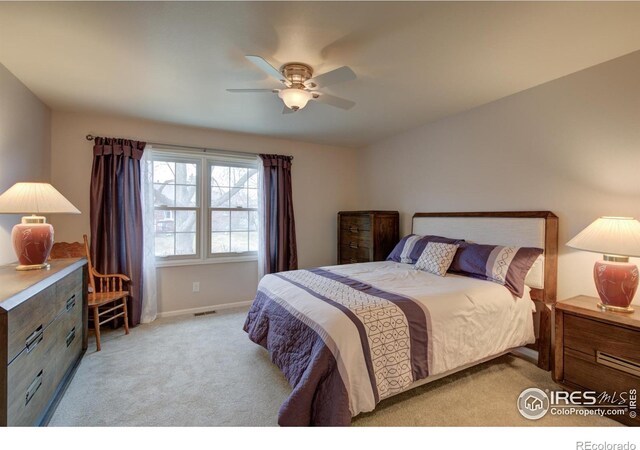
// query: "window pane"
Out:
[185,243]
[164,244]
[186,196]
[219,197]
[186,173]
[239,241]
[253,178]
[239,177]
[164,221]
[253,241]
[239,220]
[219,242]
[164,172]
[239,198]
[253,198]
[220,176]
[186,221]
[220,220]
[163,195]
[253,220]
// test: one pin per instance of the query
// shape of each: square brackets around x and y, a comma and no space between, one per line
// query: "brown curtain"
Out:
[279,229]
[116,214]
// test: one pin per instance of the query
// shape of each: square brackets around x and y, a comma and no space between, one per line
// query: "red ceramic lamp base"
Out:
[32,242]
[616,283]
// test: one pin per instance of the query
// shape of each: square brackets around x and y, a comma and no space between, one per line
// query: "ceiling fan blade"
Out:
[338,75]
[287,111]
[267,68]
[272,91]
[332,100]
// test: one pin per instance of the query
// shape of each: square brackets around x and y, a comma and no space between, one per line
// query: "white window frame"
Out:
[203,233]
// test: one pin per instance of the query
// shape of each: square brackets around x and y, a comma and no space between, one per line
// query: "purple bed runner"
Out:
[393,335]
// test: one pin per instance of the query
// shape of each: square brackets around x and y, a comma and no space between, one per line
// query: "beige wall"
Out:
[25,125]
[323,183]
[571,146]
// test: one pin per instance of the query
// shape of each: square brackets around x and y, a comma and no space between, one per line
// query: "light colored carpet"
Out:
[204,371]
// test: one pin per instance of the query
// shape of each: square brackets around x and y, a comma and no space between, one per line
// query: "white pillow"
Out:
[436,258]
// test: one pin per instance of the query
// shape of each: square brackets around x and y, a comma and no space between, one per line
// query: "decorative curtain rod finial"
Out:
[89,137]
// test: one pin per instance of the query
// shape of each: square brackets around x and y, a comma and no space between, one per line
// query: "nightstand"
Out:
[597,350]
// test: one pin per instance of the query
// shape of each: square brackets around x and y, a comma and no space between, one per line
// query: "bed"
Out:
[348,336]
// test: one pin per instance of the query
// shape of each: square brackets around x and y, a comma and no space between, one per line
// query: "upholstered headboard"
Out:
[516,228]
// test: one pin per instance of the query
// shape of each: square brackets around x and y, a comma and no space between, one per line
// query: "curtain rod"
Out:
[91,137]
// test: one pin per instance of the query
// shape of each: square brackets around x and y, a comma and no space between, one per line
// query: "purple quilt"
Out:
[343,345]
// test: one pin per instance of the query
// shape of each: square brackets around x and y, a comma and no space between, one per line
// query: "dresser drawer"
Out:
[68,290]
[589,336]
[361,254]
[34,375]
[27,322]
[355,223]
[67,341]
[355,240]
[31,381]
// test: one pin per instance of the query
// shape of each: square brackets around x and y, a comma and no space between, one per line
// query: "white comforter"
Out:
[471,319]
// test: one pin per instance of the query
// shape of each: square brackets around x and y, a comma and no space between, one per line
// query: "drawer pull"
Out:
[34,339]
[353,244]
[618,363]
[71,336]
[71,302]
[33,387]
[353,261]
[353,229]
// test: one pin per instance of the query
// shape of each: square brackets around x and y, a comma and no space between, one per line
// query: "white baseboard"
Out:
[182,312]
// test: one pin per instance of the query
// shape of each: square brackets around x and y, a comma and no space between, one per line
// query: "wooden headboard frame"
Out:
[544,298]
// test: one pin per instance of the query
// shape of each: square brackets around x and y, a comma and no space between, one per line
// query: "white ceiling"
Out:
[416,62]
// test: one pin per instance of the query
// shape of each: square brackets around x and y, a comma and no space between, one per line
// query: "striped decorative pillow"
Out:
[436,258]
[410,247]
[503,265]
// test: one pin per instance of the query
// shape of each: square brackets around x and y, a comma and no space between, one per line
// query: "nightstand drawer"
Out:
[583,372]
[589,336]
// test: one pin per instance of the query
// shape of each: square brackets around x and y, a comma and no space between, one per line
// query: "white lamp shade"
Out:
[35,198]
[610,236]
[295,98]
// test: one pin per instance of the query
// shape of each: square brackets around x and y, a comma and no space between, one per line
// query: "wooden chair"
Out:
[110,289]
[62,250]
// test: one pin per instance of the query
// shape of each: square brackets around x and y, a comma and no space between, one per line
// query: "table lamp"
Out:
[616,278]
[33,238]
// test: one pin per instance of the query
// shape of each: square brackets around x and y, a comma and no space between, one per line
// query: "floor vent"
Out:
[205,313]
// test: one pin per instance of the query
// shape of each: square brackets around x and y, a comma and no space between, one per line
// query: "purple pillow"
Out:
[503,265]
[410,247]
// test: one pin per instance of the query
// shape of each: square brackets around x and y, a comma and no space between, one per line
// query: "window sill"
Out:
[202,262]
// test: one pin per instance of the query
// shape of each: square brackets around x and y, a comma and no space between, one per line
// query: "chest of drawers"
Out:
[365,236]
[42,337]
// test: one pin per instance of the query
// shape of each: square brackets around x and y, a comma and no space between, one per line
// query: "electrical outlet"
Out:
[196,286]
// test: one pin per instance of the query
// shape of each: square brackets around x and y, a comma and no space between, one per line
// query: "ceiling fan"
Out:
[300,84]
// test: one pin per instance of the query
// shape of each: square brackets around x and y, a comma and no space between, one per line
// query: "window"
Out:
[233,208]
[205,207]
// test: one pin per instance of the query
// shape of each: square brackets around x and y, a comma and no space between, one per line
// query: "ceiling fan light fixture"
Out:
[295,98]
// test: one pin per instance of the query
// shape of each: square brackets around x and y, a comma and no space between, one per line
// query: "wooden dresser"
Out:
[598,351]
[42,338]
[365,236]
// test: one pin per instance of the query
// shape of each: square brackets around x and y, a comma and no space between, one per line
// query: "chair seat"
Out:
[102,298]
